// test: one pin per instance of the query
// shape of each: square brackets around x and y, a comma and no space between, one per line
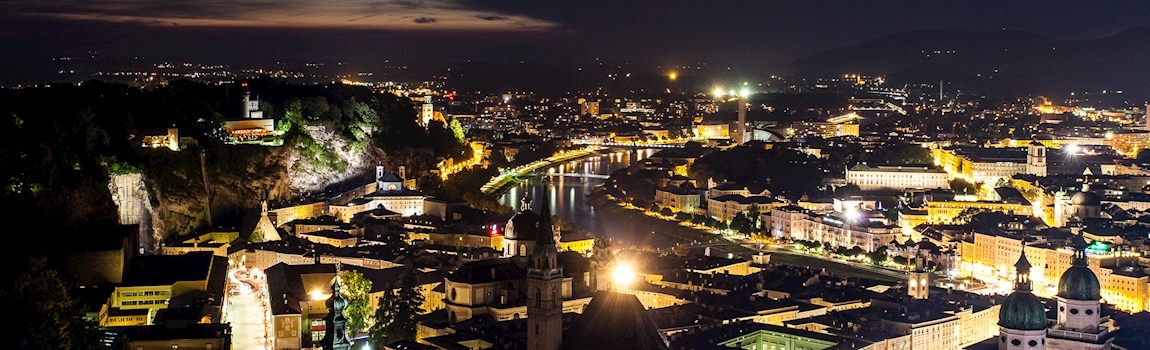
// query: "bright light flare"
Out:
[317,294]
[718,92]
[852,215]
[623,275]
[1072,149]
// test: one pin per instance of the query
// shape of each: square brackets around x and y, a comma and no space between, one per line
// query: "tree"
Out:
[356,291]
[699,219]
[901,260]
[683,216]
[962,186]
[755,217]
[878,256]
[855,251]
[741,223]
[399,311]
[666,211]
[48,317]
[256,237]
[457,130]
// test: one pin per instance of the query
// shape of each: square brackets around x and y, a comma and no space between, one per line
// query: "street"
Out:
[247,310]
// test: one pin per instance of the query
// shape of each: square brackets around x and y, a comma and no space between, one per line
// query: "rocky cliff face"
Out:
[241,176]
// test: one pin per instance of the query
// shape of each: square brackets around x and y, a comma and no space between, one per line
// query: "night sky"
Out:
[657,31]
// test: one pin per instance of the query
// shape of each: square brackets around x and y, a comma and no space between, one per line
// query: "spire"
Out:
[525,203]
[546,233]
[1022,272]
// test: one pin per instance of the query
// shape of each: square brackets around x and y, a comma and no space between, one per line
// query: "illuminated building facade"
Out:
[889,177]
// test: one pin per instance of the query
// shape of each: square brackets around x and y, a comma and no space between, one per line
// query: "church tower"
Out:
[1079,325]
[544,289]
[1022,318]
[918,281]
[335,336]
[1036,159]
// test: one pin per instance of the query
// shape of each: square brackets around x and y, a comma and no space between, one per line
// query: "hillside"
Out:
[1025,63]
[60,144]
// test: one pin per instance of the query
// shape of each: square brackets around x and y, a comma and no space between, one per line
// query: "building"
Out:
[523,230]
[391,194]
[824,130]
[677,198]
[157,282]
[945,211]
[850,228]
[726,207]
[171,140]
[251,126]
[575,242]
[215,241]
[1023,322]
[544,288]
[335,238]
[300,298]
[891,177]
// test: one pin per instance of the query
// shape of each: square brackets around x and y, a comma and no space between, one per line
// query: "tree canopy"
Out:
[398,312]
[356,289]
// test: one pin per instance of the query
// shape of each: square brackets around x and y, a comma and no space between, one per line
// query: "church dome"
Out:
[1085,198]
[1022,311]
[1079,283]
[523,226]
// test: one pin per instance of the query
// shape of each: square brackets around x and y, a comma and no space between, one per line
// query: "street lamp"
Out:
[623,275]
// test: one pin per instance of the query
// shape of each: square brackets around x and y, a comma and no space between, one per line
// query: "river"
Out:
[567,197]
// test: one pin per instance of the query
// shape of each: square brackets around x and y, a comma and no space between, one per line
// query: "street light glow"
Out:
[718,92]
[623,275]
[317,294]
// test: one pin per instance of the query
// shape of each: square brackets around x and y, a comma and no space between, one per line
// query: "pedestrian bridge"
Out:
[593,176]
[628,145]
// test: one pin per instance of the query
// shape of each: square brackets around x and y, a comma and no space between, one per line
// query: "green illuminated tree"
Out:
[399,311]
[457,130]
[355,290]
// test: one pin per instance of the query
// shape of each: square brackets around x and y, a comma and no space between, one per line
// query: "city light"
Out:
[718,93]
[673,75]
[623,275]
[317,294]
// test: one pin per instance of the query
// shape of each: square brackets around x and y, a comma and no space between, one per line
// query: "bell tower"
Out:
[918,281]
[544,289]
[1036,159]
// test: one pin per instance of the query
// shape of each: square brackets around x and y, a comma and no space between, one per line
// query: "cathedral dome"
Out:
[1085,198]
[1079,283]
[1022,311]
[523,226]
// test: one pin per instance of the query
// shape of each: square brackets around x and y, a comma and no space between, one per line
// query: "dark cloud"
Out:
[422,20]
[491,18]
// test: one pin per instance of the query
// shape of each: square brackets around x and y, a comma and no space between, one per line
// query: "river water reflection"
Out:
[567,196]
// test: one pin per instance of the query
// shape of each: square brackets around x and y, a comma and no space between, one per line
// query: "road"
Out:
[247,311]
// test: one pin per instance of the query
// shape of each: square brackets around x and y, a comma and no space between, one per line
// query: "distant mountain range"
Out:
[996,62]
